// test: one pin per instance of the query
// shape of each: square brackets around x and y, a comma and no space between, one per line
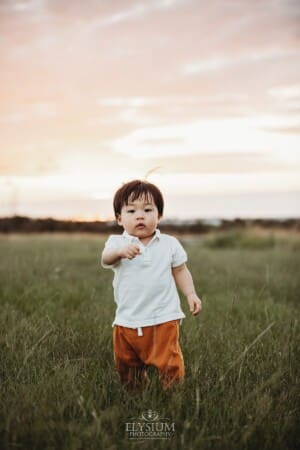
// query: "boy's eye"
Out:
[148,209]
[131,211]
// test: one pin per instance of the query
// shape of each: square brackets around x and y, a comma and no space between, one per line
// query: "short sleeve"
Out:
[112,243]
[179,255]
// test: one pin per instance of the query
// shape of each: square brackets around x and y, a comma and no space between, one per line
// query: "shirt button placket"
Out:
[146,256]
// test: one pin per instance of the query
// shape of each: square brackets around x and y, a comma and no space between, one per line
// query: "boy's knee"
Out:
[171,378]
[172,373]
[173,369]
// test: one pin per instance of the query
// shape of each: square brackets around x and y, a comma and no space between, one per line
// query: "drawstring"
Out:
[140,330]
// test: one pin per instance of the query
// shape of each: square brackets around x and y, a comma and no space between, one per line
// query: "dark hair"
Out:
[136,189]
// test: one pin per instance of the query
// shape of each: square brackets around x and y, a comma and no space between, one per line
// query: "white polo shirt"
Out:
[144,288]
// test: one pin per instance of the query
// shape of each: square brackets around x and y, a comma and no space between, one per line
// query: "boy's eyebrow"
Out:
[133,204]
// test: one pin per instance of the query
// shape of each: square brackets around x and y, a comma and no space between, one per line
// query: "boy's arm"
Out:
[185,283]
[111,256]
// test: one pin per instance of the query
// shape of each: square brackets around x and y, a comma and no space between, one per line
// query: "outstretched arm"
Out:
[185,283]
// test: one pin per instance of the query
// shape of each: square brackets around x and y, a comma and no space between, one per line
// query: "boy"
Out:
[146,265]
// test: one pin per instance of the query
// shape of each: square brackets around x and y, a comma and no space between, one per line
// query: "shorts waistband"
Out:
[140,329]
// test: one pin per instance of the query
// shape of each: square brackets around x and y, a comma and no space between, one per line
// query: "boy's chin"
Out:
[143,232]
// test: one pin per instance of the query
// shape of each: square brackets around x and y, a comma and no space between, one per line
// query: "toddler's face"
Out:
[139,218]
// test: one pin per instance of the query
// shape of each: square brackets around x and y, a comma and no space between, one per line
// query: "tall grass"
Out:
[59,389]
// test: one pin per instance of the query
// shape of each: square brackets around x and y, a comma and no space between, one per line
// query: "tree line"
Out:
[21,224]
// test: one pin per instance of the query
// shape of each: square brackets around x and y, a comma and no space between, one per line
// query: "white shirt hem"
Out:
[149,322]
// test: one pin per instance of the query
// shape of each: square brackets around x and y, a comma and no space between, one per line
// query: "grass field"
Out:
[59,389]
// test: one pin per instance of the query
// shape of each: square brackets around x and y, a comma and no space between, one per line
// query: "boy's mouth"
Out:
[140,226]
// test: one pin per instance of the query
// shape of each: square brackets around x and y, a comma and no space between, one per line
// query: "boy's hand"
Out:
[130,251]
[194,303]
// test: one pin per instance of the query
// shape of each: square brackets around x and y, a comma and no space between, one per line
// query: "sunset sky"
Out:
[205,95]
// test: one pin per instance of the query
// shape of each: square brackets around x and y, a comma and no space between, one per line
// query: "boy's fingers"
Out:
[196,308]
[133,252]
[199,307]
[135,249]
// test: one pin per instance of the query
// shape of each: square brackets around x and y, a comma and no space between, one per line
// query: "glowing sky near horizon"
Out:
[95,93]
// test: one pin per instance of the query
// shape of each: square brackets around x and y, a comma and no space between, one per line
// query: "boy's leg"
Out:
[169,358]
[163,351]
[132,370]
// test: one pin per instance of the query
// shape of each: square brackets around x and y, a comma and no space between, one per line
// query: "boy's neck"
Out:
[147,239]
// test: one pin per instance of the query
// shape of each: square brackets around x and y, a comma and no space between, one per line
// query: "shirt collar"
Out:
[135,238]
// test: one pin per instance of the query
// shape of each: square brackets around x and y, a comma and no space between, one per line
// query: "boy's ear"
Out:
[118,219]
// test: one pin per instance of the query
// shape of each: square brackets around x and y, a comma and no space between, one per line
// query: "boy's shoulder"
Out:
[114,239]
[168,238]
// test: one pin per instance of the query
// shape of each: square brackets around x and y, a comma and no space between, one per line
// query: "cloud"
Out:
[27,163]
[286,92]
[69,85]
[22,6]
[221,63]
[226,183]
[29,112]
[218,163]
[139,10]
[128,14]
[217,135]
[285,130]
[135,102]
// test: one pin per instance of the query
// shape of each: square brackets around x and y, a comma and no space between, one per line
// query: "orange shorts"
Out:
[158,346]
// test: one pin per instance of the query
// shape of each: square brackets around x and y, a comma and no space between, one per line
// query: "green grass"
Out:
[59,389]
